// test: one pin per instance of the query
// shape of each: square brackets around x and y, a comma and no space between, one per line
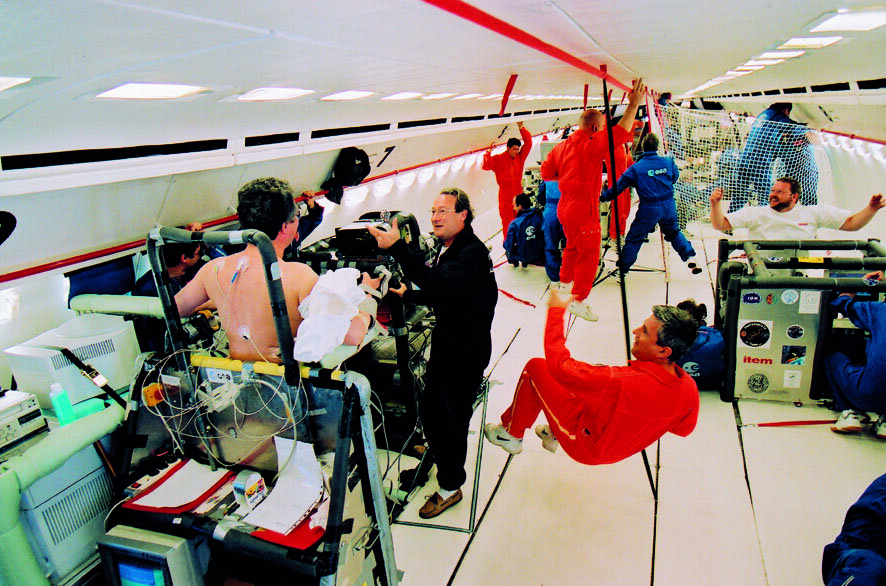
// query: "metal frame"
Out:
[355,407]
[733,277]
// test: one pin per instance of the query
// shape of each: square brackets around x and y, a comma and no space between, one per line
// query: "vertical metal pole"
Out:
[621,281]
[611,178]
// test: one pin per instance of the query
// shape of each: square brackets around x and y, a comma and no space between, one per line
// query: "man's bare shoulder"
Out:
[297,269]
[299,277]
[212,266]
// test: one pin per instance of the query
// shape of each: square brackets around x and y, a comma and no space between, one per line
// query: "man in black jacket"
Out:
[458,284]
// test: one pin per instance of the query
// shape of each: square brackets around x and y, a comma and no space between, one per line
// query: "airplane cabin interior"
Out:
[144,446]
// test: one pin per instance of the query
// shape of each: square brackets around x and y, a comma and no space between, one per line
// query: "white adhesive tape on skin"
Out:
[249,489]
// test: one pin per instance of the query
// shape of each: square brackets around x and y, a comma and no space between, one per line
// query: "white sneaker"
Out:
[548,441]
[850,421]
[497,435]
[880,427]
[582,309]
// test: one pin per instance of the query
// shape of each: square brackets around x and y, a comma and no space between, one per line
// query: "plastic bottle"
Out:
[61,404]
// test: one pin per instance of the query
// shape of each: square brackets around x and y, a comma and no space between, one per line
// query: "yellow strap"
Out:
[268,368]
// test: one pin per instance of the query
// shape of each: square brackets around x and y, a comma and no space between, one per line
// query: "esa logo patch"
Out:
[750,298]
[692,369]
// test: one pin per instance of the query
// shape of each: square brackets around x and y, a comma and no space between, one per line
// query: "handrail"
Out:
[854,136]
[101,252]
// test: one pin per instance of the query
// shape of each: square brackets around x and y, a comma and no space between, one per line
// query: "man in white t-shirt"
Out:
[785,219]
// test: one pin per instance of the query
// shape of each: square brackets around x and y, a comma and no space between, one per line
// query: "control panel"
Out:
[19,416]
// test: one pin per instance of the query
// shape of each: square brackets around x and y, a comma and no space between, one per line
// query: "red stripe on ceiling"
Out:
[486,20]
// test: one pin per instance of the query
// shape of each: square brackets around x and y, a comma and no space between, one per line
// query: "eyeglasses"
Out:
[436,212]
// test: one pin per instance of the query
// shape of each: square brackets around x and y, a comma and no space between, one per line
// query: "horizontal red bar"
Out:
[856,137]
[66,262]
[798,422]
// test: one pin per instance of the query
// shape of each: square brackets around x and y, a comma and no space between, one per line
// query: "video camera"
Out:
[353,245]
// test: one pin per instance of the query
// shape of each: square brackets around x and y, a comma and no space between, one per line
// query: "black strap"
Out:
[91,373]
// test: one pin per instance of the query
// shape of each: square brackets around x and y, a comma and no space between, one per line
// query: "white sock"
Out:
[445,494]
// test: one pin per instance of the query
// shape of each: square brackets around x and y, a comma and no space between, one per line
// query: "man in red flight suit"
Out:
[623,160]
[602,414]
[577,164]
[508,169]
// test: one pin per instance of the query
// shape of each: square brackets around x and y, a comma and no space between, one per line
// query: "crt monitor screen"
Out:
[136,557]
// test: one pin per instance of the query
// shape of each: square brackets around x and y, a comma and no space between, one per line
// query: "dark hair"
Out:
[781,106]
[650,143]
[173,252]
[698,311]
[265,204]
[795,185]
[523,200]
[678,330]
[462,202]
[514,142]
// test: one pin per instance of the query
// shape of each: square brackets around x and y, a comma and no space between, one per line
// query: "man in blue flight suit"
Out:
[858,388]
[858,554]
[653,177]
[769,135]
[549,196]
[524,243]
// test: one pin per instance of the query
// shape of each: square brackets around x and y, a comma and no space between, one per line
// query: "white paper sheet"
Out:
[186,485]
[297,491]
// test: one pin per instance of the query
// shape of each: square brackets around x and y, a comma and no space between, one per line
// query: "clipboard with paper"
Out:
[297,492]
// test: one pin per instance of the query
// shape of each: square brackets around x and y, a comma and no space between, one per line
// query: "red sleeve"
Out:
[527,145]
[621,136]
[685,426]
[549,167]
[487,161]
[572,374]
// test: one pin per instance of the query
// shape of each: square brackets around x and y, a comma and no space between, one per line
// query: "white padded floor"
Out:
[737,505]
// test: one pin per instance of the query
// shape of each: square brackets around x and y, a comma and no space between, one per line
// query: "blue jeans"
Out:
[751,170]
[553,235]
[664,214]
[851,389]
[863,566]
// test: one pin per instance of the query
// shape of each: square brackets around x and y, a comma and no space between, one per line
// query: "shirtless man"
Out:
[236,284]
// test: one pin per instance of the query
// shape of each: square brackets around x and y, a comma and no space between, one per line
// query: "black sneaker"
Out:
[409,479]
[696,270]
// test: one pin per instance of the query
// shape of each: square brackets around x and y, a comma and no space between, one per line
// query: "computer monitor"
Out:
[105,342]
[136,557]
